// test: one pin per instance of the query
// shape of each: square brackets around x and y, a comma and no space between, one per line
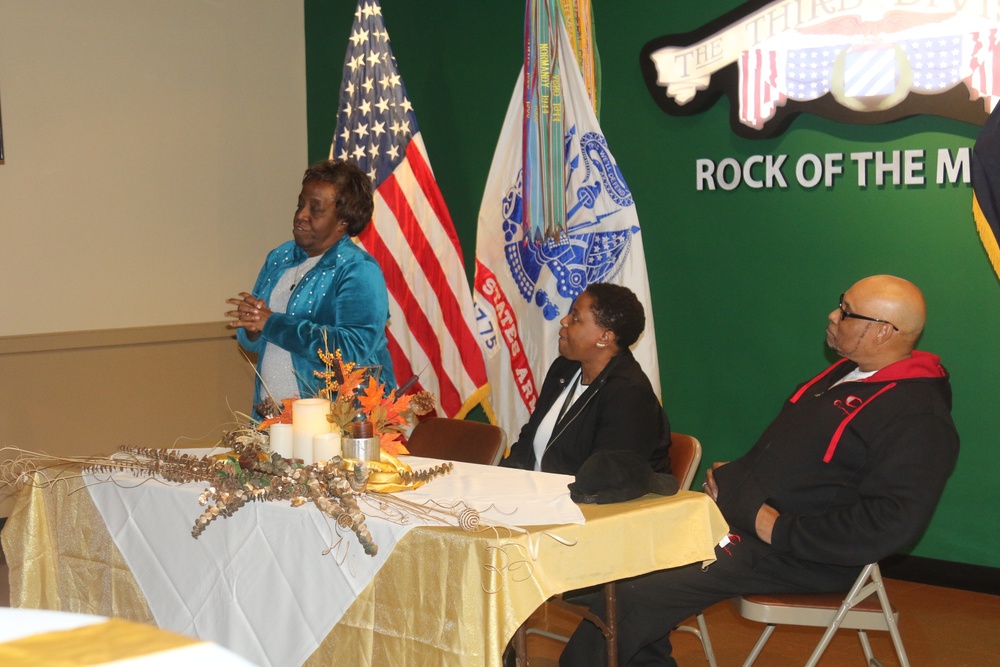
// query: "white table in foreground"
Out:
[37,638]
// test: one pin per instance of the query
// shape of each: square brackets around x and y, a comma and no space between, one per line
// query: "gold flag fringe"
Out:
[987,235]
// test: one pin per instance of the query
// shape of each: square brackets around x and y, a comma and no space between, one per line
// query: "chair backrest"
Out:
[457,440]
[685,455]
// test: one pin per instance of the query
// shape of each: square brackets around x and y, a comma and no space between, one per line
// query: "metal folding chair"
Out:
[866,607]
[685,454]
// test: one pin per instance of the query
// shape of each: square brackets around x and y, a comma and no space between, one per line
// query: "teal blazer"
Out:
[343,296]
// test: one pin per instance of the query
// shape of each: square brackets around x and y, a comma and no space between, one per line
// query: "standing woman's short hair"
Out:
[355,200]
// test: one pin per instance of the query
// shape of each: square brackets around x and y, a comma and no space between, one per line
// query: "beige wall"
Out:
[89,393]
[154,151]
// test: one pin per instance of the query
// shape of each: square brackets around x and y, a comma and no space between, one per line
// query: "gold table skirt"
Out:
[444,596]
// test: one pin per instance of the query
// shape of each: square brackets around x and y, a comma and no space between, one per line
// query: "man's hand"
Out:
[710,487]
[766,516]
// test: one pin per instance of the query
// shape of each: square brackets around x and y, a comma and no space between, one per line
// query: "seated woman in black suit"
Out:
[595,395]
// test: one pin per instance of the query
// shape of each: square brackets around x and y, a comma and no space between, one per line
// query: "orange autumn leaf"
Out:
[372,397]
[393,410]
[342,382]
[385,412]
[391,444]
[402,404]
[284,417]
[352,378]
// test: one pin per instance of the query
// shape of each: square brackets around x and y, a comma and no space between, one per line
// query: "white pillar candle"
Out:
[281,440]
[326,446]
[309,414]
[302,446]
[308,420]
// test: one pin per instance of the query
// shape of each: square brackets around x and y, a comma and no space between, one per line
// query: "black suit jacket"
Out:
[617,411]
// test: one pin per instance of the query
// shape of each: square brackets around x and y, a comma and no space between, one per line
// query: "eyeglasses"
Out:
[844,314]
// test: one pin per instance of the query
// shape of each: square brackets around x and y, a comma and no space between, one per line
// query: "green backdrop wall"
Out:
[741,280]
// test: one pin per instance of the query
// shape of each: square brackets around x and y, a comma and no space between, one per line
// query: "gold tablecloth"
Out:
[112,641]
[444,597]
[46,638]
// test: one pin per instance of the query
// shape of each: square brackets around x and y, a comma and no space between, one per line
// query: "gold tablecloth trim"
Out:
[90,645]
[61,556]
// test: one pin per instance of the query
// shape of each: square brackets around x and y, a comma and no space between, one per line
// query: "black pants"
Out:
[651,605]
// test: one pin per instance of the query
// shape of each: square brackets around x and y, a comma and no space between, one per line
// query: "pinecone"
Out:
[422,402]
[267,408]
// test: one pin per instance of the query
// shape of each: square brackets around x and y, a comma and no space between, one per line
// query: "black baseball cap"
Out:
[617,476]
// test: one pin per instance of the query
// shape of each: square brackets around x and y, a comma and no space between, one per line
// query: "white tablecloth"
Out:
[502,496]
[271,581]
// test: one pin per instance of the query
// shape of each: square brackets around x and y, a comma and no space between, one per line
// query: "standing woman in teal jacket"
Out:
[319,285]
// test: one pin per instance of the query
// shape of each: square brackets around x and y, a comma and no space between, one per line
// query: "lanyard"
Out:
[569,398]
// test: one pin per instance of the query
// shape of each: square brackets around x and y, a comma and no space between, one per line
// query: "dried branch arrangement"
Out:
[245,474]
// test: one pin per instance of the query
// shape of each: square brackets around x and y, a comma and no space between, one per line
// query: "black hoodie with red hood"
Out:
[855,469]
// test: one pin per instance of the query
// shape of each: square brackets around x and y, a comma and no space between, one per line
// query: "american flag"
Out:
[760,91]
[411,235]
[983,63]
[808,71]
[936,63]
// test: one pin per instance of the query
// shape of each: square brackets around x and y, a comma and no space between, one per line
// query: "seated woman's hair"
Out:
[354,191]
[617,308]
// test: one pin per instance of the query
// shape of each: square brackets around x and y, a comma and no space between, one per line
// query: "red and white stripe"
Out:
[760,94]
[983,78]
[430,304]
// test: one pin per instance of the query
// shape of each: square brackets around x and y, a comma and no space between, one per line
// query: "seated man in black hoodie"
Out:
[849,472]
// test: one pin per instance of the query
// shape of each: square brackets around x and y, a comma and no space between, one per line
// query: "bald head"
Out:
[885,316]
[892,299]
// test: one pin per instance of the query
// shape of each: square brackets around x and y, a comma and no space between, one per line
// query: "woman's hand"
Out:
[250,313]
[710,487]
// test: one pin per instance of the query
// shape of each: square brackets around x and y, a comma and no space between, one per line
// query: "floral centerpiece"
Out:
[349,401]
